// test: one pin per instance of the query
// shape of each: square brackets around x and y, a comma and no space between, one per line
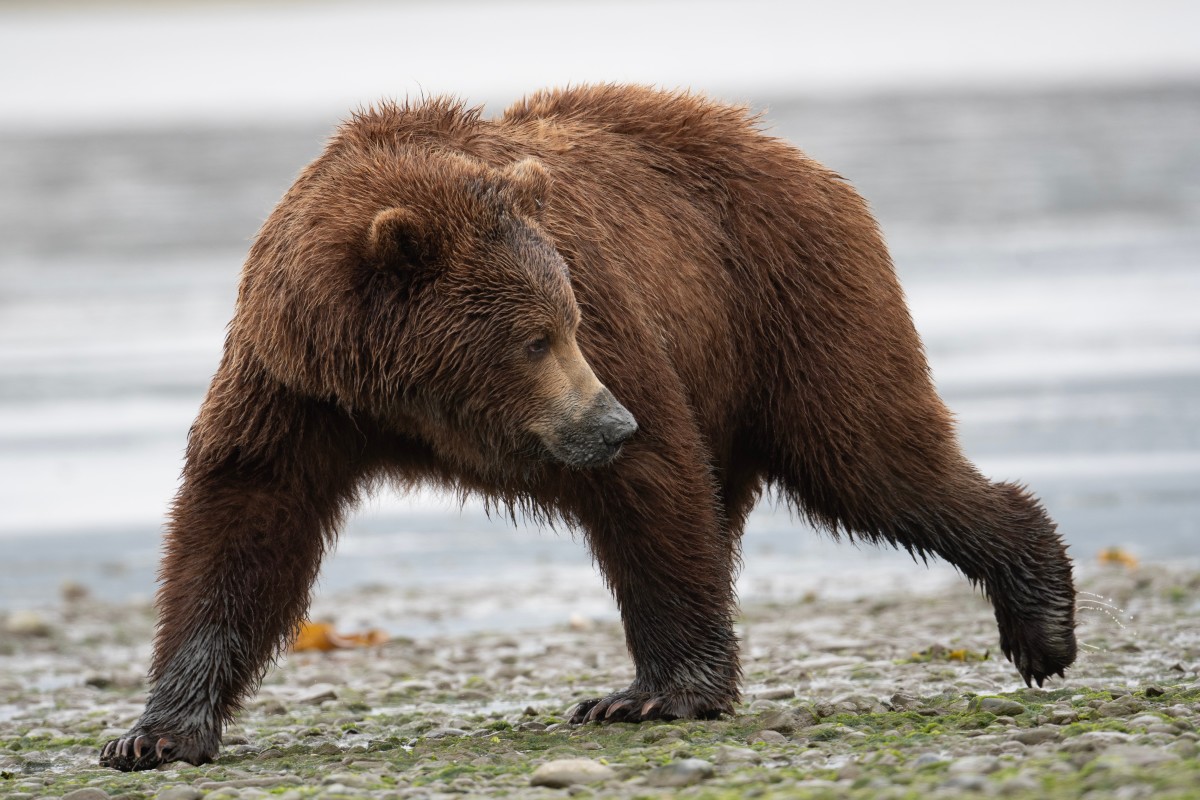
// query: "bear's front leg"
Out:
[656,533]
[266,477]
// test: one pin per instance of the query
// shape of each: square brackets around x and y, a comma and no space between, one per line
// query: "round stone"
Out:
[680,773]
[570,771]
[1001,706]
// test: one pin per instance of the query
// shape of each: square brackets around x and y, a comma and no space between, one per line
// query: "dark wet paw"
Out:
[140,750]
[1039,648]
[637,706]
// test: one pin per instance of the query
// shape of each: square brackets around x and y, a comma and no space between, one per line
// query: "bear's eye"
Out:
[536,348]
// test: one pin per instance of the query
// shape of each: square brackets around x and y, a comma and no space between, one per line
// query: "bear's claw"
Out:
[140,751]
[638,706]
[1039,648]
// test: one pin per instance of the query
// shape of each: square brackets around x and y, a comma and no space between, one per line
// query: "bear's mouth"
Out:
[597,456]
[596,437]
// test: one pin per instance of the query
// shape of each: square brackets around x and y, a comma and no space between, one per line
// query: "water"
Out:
[1048,242]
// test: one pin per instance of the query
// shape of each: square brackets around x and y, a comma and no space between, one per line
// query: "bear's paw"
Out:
[641,706]
[140,750]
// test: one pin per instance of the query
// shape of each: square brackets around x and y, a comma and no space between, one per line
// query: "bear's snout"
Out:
[616,424]
[593,437]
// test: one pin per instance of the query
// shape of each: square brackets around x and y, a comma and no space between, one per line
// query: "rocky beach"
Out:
[895,695]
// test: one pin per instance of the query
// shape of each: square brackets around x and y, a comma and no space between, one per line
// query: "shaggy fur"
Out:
[493,307]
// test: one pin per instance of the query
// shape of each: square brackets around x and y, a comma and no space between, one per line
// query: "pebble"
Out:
[974,765]
[27,623]
[1063,716]
[788,720]
[1118,708]
[569,771]
[966,783]
[737,755]
[1144,720]
[397,739]
[680,773]
[1136,756]
[179,793]
[1019,785]
[1001,706]
[246,783]
[315,695]
[87,793]
[1036,735]
[443,733]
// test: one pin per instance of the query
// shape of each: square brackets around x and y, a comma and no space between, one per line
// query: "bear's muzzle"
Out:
[593,437]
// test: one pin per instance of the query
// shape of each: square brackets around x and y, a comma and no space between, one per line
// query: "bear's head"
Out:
[419,287]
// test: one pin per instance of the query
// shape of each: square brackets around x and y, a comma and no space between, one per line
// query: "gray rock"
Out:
[787,720]
[345,779]
[246,783]
[770,737]
[687,772]
[28,623]
[1001,706]
[444,733]
[905,702]
[179,793]
[1144,720]
[859,704]
[761,706]
[1036,735]
[925,759]
[1123,706]
[87,793]
[967,783]
[1136,756]
[975,765]
[1019,785]
[317,694]
[776,693]
[1184,748]
[1062,716]
[570,771]
[737,755]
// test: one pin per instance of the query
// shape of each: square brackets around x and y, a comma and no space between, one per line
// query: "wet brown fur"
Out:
[734,295]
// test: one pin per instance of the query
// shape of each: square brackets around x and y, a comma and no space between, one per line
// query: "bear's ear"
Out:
[531,183]
[398,237]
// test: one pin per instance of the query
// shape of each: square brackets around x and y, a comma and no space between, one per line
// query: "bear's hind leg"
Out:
[908,485]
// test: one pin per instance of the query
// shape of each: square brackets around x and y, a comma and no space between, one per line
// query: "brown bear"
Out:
[622,309]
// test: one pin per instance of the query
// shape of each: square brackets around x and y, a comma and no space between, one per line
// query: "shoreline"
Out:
[878,696]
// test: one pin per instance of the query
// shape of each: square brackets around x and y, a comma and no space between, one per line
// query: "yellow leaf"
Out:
[1119,557]
[321,636]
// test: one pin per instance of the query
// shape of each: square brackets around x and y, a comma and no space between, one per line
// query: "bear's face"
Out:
[494,369]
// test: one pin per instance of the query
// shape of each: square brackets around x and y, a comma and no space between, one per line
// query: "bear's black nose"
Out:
[617,425]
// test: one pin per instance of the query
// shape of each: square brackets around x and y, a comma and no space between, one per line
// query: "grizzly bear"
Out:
[622,309]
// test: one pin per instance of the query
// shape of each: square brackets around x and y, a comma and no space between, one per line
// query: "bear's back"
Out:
[685,123]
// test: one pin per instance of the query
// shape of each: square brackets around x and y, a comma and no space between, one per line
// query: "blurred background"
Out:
[1035,167]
